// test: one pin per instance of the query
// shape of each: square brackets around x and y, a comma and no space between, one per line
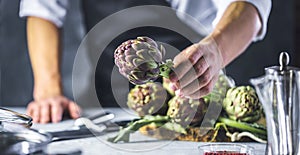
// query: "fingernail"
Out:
[78,113]
[179,93]
[188,97]
[35,119]
[57,119]
[173,86]
[172,77]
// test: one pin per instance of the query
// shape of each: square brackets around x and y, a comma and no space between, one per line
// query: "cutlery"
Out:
[84,127]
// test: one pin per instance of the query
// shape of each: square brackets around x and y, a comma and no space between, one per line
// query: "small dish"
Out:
[225,149]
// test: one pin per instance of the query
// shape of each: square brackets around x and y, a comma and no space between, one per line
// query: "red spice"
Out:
[224,153]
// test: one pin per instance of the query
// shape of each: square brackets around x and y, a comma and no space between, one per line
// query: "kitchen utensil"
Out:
[17,139]
[7,115]
[95,119]
[85,127]
[85,132]
[279,93]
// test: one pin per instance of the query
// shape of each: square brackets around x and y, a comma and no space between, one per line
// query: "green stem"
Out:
[217,128]
[166,68]
[123,135]
[174,127]
[243,126]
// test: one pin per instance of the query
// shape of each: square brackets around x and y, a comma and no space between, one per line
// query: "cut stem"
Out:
[166,68]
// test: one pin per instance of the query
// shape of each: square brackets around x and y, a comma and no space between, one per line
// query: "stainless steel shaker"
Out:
[279,92]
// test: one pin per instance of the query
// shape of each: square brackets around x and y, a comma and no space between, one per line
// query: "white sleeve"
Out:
[197,14]
[52,10]
[263,7]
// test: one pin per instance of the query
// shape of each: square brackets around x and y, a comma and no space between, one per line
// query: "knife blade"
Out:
[85,132]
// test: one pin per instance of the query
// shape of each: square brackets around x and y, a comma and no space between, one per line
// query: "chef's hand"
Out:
[51,109]
[196,69]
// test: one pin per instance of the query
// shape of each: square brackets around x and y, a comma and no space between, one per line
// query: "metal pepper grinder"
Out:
[279,93]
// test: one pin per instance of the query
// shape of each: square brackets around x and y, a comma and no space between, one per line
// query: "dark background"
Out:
[16,75]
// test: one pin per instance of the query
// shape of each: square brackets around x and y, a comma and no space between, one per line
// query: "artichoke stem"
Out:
[242,126]
[165,68]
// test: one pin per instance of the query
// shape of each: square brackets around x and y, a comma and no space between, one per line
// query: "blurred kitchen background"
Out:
[16,83]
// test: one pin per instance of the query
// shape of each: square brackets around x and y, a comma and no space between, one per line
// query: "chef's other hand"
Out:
[52,109]
[196,69]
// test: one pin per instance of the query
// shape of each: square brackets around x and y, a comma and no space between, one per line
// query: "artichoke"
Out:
[186,111]
[218,93]
[140,60]
[223,84]
[148,99]
[242,103]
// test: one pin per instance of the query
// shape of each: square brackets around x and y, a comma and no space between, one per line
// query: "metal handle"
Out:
[7,115]
[284,60]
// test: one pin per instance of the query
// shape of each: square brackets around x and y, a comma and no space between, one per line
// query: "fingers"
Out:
[180,70]
[33,111]
[185,61]
[56,112]
[44,112]
[39,111]
[51,109]
[196,84]
[74,110]
[198,70]
[204,90]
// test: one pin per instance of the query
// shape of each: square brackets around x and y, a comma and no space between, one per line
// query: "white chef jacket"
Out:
[206,12]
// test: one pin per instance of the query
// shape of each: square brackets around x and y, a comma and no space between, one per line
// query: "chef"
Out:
[227,28]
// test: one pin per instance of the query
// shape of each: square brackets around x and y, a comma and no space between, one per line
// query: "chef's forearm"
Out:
[236,29]
[44,50]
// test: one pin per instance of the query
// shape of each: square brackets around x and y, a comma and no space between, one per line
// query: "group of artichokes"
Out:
[152,99]
[141,62]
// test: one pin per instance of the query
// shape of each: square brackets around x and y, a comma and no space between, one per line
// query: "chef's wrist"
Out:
[46,88]
[212,42]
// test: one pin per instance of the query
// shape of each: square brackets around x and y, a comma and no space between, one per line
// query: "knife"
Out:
[87,131]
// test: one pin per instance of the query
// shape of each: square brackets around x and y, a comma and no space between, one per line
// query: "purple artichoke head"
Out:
[140,60]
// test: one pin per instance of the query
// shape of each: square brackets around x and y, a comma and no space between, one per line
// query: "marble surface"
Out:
[139,144]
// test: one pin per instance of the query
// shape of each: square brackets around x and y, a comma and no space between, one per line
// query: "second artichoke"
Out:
[223,84]
[148,99]
[186,111]
[242,103]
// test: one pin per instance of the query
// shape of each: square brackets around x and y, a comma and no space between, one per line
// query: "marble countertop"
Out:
[139,144]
